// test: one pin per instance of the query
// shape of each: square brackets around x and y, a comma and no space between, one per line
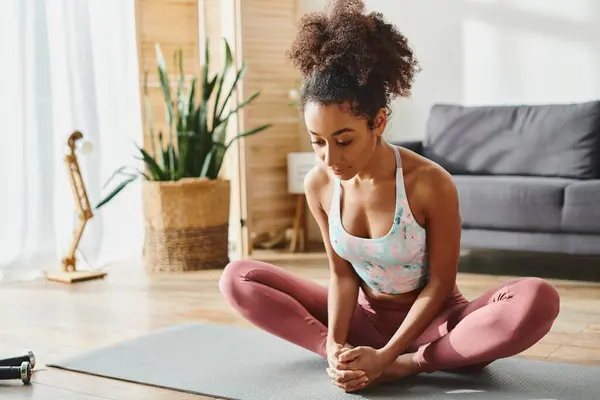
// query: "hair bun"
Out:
[340,7]
[363,46]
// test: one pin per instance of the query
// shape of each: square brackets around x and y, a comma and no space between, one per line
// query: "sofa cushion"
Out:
[581,211]
[557,140]
[511,202]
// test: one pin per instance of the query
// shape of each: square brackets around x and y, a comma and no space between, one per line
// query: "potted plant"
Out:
[185,200]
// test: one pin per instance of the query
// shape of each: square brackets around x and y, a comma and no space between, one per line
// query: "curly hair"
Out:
[345,55]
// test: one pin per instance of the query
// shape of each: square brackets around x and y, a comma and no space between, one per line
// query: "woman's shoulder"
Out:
[318,184]
[426,181]
[428,172]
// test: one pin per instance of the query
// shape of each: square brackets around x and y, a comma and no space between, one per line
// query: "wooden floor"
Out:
[57,320]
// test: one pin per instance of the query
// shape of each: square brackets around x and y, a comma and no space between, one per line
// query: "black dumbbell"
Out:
[16,361]
[11,372]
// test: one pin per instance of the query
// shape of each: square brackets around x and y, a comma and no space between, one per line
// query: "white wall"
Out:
[493,52]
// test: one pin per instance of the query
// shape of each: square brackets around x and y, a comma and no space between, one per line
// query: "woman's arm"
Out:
[343,293]
[344,282]
[443,226]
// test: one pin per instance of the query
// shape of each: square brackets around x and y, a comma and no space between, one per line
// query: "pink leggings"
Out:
[503,322]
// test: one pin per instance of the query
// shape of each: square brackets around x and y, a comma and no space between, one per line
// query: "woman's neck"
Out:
[381,165]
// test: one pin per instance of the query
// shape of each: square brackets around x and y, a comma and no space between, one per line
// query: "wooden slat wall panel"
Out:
[218,20]
[173,24]
[211,28]
[267,30]
[148,62]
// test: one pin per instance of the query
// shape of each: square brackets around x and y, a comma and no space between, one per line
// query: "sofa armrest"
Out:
[413,145]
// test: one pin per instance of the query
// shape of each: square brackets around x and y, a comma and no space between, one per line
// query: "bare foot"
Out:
[402,367]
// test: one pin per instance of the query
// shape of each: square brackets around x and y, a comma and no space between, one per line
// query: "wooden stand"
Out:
[69,273]
[298,242]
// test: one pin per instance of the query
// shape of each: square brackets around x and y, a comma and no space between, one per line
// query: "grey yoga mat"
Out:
[248,364]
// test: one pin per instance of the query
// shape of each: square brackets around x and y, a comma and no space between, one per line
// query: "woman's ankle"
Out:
[404,366]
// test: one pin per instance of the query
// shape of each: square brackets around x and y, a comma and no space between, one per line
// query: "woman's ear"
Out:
[380,122]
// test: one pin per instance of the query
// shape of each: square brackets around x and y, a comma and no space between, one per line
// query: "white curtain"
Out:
[66,65]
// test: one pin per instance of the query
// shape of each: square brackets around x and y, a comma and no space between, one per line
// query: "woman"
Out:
[390,224]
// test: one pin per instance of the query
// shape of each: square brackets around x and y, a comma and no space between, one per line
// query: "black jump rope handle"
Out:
[17,361]
[23,372]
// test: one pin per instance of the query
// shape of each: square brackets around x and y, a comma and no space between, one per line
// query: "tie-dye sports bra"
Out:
[393,264]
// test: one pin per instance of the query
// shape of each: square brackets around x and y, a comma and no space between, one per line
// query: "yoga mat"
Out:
[248,364]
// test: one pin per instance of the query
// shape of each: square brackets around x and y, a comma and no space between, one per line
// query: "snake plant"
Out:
[197,119]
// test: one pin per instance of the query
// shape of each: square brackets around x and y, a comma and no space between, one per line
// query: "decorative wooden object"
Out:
[69,273]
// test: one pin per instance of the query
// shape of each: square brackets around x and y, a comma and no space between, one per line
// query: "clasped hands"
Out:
[353,369]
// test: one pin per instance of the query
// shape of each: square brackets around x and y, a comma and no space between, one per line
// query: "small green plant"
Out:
[195,145]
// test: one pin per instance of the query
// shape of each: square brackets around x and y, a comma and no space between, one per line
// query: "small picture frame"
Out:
[298,165]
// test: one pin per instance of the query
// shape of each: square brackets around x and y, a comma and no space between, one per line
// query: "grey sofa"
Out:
[528,176]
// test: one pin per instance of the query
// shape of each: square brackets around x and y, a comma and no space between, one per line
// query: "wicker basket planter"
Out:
[187,224]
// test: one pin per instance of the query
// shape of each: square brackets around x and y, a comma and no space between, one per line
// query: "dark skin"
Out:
[365,163]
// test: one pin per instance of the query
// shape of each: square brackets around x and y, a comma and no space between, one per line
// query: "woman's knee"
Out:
[234,275]
[541,300]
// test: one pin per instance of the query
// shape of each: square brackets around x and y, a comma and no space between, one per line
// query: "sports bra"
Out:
[393,264]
